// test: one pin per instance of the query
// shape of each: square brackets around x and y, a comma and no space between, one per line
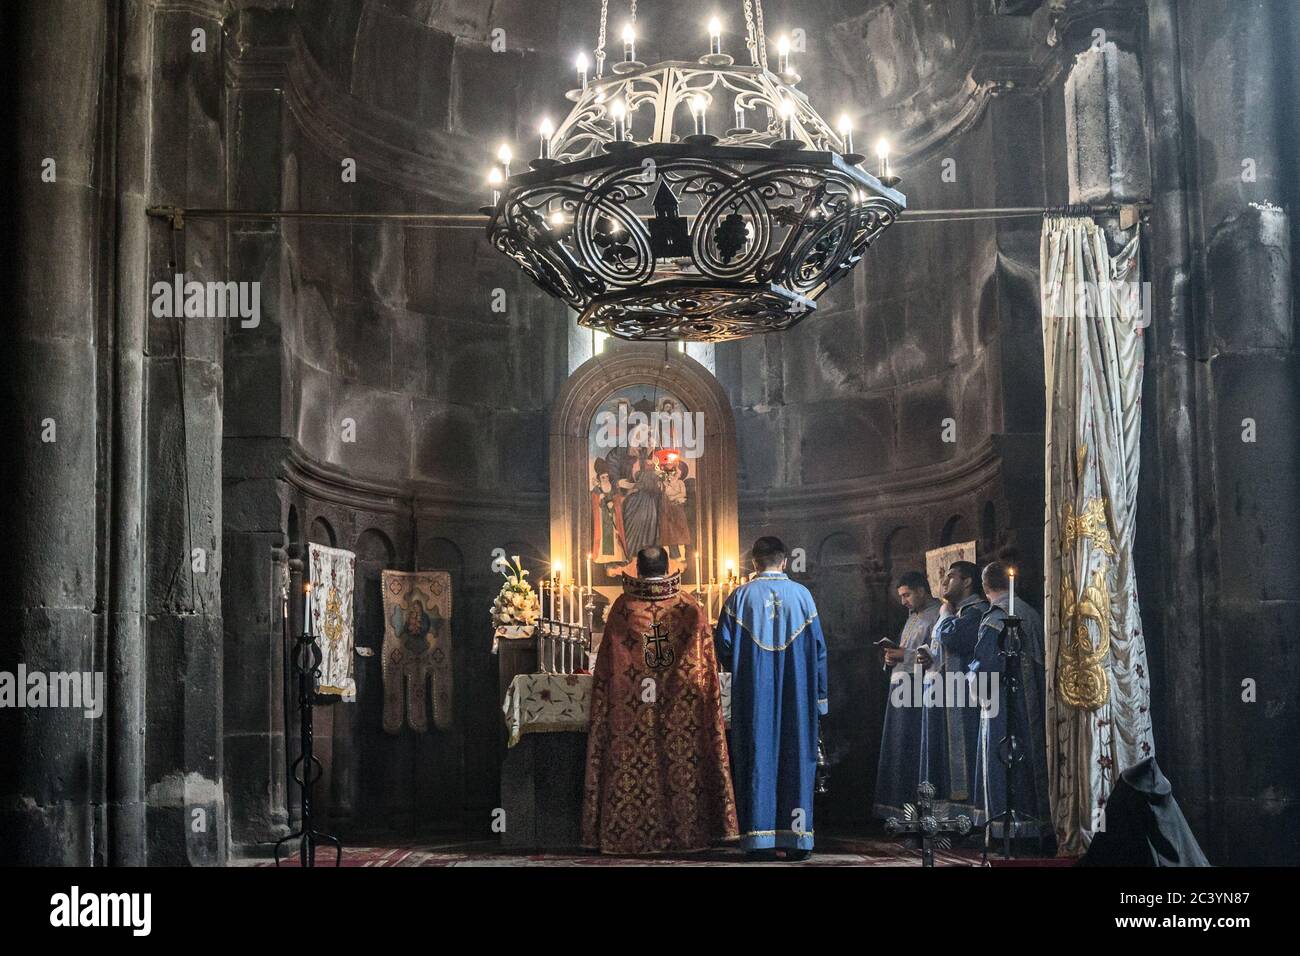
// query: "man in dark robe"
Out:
[657,778]
[1143,824]
[900,769]
[952,725]
[769,637]
[1031,798]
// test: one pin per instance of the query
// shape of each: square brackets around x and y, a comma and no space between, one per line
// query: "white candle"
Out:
[306,608]
[1011,608]
[582,69]
[715,36]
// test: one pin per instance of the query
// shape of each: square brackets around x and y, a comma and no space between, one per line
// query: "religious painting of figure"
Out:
[417,649]
[644,451]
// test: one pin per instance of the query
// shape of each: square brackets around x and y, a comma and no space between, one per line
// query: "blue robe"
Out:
[769,636]
[902,766]
[954,727]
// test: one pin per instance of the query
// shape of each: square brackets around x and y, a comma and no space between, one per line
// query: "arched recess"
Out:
[322,532]
[956,530]
[591,385]
[902,552]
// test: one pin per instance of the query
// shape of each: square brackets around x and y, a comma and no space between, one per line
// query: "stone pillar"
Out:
[1105,135]
[252,443]
[185,802]
[1236,60]
[56,94]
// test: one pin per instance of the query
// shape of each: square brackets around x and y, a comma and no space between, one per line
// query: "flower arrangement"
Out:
[516,604]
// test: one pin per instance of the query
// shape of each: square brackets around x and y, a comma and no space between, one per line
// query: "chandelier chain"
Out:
[600,40]
[749,32]
[760,38]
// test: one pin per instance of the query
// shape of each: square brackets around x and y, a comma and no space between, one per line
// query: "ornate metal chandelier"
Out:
[653,228]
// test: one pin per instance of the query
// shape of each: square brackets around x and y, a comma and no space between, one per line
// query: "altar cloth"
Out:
[548,703]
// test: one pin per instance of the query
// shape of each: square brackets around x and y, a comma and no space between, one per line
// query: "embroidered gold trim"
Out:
[741,624]
[754,833]
[1081,680]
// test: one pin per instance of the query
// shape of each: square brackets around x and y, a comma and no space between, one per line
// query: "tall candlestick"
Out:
[699,582]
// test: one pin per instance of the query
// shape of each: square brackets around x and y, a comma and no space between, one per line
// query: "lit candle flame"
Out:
[715,27]
[504,154]
[882,148]
[546,127]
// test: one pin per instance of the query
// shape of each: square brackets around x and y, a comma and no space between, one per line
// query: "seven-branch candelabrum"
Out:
[564,630]
[702,200]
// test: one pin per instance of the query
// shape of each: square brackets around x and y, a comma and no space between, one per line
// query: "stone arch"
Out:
[955,530]
[375,546]
[322,532]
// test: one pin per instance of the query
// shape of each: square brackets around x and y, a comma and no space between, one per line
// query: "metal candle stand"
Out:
[307,769]
[562,646]
[1011,752]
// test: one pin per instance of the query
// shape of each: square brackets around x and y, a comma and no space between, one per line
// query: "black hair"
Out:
[970,572]
[913,580]
[651,562]
[768,552]
[996,574]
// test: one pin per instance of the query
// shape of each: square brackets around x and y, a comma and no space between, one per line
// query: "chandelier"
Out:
[654,228]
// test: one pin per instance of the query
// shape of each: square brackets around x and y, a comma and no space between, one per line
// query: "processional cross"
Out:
[931,830]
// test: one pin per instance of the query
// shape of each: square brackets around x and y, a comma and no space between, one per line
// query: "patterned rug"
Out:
[837,852]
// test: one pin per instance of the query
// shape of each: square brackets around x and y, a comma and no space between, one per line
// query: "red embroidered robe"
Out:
[657,769]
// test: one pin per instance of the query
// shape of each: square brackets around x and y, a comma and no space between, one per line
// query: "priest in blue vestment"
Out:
[953,725]
[902,767]
[769,637]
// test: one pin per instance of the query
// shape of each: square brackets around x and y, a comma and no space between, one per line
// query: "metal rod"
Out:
[178,214]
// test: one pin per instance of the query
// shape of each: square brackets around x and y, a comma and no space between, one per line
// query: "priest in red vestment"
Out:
[657,770]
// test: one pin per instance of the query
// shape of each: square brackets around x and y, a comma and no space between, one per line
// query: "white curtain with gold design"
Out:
[1098,690]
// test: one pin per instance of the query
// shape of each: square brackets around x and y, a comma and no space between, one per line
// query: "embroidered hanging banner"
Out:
[417,649]
[333,573]
[1097,689]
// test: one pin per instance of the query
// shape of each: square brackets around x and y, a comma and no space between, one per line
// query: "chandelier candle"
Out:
[1011,607]
[715,36]
[629,43]
[783,55]
[503,157]
[846,132]
[697,111]
[619,111]
[495,181]
[547,130]
[787,119]
[882,151]
[740,114]
[581,63]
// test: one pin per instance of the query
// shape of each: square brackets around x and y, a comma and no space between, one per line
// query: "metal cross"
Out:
[931,830]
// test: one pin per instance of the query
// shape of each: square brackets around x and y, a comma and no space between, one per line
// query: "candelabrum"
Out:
[307,769]
[1011,747]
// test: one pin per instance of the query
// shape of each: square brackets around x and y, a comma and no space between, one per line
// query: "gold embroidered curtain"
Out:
[1098,690]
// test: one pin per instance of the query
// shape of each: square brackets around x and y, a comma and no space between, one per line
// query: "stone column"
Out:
[1236,61]
[56,91]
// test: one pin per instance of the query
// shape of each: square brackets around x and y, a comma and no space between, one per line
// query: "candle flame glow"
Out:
[783,46]
[504,154]
[546,127]
[845,124]
[882,148]
[715,27]
[581,62]
[697,104]
[629,33]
